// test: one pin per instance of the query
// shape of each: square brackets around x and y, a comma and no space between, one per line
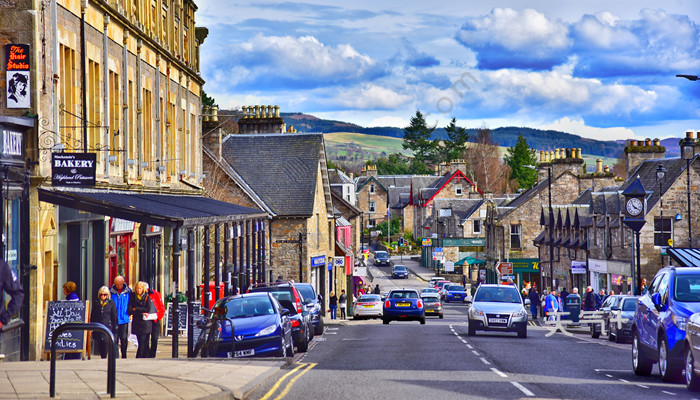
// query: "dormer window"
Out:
[371,188]
[458,190]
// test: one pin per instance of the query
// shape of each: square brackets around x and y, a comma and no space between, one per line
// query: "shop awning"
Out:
[470,261]
[165,210]
[685,257]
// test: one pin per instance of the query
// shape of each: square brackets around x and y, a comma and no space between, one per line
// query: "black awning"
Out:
[150,208]
[685,257]
[539,239]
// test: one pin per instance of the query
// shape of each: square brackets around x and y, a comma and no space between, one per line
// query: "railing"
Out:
[111,360]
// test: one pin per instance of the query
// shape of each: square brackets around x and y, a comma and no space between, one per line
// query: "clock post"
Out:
[635,210]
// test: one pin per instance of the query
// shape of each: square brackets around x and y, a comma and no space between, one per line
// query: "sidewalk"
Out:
[145,378]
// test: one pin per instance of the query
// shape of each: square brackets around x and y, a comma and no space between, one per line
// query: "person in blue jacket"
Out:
[120,295]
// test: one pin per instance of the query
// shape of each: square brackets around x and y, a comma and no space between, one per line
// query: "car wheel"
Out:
[522,333]
[304,345]
[471,330]
[290,349]
[385,321]
[692,381]
[669,373]
[447,301]
[283,349]
[319,327]
[312,331]
[612,337]
[422,321]
[595,333]
[440,316]
[640,364]
[357,317]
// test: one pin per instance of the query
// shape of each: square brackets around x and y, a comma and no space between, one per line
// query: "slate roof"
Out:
[525,197]
[462,208]
[281,169]
[675,167]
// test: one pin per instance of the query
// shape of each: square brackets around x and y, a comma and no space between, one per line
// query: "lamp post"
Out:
[660,178]
[551,230]
[688,152]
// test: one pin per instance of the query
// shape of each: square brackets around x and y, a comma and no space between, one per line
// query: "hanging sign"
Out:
[17,75]
[73,169]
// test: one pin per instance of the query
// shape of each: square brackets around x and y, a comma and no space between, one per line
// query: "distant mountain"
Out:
[507,136]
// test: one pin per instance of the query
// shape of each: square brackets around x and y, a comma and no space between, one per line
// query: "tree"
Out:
[417,138]
[393,164]
[484,164]
[395,227]
[517,157]
[206,100]
[454,147]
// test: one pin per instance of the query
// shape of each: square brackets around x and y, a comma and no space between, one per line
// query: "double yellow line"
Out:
[303,368]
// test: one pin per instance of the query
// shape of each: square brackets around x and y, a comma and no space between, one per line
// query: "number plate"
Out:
[458,296]
[367,306]
[403,304]
[498,320]
[244,353]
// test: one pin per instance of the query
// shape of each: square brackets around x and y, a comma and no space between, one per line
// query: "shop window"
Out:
[515,236]
[666,227]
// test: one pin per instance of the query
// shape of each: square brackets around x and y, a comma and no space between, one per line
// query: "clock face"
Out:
[634,206]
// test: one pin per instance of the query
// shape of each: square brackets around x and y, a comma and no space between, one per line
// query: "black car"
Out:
[622,330]
[399,271]
[381,259]
[611,303]
[291,299]
[313,304]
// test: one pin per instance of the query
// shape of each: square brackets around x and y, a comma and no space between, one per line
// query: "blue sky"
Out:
[599,69]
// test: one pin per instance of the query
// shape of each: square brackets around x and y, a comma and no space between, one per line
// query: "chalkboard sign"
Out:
[182,316]
[60,312]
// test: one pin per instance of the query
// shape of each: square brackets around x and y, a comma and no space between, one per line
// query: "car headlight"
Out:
[679,321]
[476,312]
[520,313]
[267,331]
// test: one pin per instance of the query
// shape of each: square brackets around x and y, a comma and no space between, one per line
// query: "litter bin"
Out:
[211,294]
[573,306]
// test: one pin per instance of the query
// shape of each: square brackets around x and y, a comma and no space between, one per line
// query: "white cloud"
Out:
[579,127]
[389,121]
[370,96]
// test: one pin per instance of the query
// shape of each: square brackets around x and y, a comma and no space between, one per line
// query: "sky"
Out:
[599,69]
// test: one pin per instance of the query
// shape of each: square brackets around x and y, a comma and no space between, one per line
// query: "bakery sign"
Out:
[73,169]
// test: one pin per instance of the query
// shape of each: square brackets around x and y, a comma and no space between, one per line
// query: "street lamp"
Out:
[551,228]
[660,178]
[687,153]
[688,77]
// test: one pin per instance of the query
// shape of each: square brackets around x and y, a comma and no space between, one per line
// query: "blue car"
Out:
[313,304]
[261,327]
[399,271]
[659,325]
[403,305]
[455,293]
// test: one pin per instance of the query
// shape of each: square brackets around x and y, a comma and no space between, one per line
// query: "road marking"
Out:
[499,373]
[357,340]
[519,386]
[273,389]
[485,361]
[331,329]
[642,386]
[610,370]
[331,333]
[469,346]
[463,341]
[608,375]
[476,353]
[622,380]
[284,392]
[669,393]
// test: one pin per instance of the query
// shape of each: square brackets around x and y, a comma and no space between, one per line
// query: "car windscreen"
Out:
[369,298]
[404,295]
[245,307]
[687,287]
[456,288]
[307,292]
[400,268]
[629,305]
[382,254]
[498,295]
[433,299]
[429,290]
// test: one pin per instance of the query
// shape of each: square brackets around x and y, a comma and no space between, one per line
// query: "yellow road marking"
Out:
[291,382]
[279,382]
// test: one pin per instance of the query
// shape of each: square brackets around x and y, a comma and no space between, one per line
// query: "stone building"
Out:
[372,197]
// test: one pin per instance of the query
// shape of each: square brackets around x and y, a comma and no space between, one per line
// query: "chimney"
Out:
[657,142]
[277,111]
[638,151]
[598,166]
[458,165]
[578,153]
[541,156]
[556,154]
[444,168]
[606,169]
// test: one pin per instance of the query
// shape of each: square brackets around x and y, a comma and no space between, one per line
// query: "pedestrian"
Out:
[589,300]
[333,304]
[279,279]
[9,284]
[600,298]
[551,305]
[157,300]
[140,308]
[564,293]
[105,312]
[534,301]
[69,289]
[343,300]
[376,290]
[644,286]
[120,292]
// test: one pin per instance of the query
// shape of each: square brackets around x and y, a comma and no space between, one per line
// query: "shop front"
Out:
[526,271]
[598,270]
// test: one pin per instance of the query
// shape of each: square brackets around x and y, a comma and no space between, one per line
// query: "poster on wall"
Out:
[17,75]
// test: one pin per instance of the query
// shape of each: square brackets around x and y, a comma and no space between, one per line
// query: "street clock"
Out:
[635,205]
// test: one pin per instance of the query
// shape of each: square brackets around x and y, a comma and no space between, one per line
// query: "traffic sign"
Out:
[427,242]
[505,268]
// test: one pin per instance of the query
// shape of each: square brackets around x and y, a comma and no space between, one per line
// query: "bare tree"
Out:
[484,163]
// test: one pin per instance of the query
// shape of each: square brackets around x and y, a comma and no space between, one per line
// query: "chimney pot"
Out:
[657,142]
[578,153]
[633,143]
[598,166]
[541,156]
[277,111]
[257,111]
[647,142]
[606,169]
[689,134]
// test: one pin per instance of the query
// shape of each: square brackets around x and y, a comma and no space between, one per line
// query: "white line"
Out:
[671,393]
[608,375]
[331,333]
[523,389]
[622,380]
[499,373]
[469,346]
[485,361]
[331,329]
[642,386]
[476,353]
[610,370]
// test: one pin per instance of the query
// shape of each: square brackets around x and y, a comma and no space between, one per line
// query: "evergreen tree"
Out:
[517,158]
[393,164]
[454,147]
[417,138]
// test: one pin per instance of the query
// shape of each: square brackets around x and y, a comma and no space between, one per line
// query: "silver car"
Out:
[497,308]
[368,306]
[432,304]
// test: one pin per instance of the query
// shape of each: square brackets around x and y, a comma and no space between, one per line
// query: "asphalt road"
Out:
[406,360]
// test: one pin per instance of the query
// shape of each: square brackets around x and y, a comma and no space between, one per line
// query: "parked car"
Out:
[290,298]
[497,308]
[435,280]
[399,271]
[455,293]
[261,325]
[313,304]
[432,304]
[367,306]
[381,259]
[660,321]
[403,305]
[622,330]
[692,353]
[605,310]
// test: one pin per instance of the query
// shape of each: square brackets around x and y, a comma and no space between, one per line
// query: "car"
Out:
[403,305]
[455,293]
[432,304]
[291,299]
[399,271]
[381,259]
[313,304]
[622,330]
[367,306]
[660,321]
[439,285]
[428,290]
[692,353]
[435,280]
[605,310]
[261,325]
[497,308]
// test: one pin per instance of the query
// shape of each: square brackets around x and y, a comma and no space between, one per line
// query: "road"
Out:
[406,360]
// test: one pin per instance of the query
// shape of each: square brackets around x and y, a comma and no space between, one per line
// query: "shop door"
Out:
[150,262]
